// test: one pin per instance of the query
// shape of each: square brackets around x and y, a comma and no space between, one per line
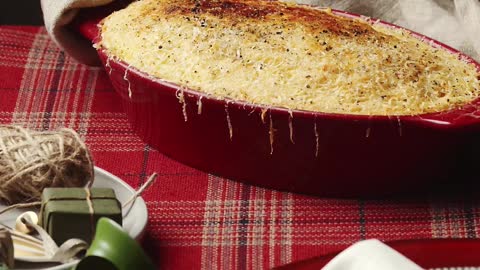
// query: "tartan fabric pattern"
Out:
[197,220]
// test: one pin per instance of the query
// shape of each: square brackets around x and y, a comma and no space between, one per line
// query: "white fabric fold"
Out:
[370,255]
[57,14]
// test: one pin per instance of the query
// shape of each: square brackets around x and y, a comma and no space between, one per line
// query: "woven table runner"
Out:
[197,220]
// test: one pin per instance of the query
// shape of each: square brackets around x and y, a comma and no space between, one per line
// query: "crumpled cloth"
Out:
[57,14]
[370,254]
[453,22]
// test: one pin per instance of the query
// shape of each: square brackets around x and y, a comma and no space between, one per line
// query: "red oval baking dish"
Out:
[337,155]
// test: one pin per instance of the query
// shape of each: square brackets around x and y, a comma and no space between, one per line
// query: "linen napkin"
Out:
[454,22]
[370,255]
[57,14]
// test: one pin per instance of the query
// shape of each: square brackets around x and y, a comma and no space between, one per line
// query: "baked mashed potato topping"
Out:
[287,55]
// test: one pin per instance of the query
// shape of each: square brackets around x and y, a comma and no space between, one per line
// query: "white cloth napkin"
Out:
[454,22]
[57,14]
[370,255]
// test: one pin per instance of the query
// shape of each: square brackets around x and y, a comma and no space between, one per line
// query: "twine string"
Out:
[133,198]
[20,205]
[32,160]
[88,198]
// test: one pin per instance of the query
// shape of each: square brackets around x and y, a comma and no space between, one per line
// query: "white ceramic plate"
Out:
[134,222]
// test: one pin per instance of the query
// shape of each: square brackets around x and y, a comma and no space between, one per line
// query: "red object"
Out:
[328,154]
[198,220]
[427,253]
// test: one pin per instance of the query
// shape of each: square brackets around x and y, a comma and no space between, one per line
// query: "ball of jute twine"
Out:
[33,160]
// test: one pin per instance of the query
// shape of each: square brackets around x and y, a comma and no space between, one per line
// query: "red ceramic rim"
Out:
[467,115]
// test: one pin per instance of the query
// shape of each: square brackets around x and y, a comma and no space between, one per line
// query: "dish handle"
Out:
[464,118]
[86,21]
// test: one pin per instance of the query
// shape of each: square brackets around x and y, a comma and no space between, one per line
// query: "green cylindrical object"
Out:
[113,249]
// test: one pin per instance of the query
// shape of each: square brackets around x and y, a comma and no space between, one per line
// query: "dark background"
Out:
[24,12]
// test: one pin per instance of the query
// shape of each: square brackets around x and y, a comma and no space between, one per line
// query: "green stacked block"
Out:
[65,212]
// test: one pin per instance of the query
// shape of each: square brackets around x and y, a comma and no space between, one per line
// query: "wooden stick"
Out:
[19,205]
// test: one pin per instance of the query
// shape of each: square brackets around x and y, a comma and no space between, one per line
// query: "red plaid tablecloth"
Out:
[197,220]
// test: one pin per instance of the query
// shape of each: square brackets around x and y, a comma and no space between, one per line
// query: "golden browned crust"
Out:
[288,55]
[236,11]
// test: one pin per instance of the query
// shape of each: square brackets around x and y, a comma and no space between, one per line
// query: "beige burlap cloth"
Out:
[454,22]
